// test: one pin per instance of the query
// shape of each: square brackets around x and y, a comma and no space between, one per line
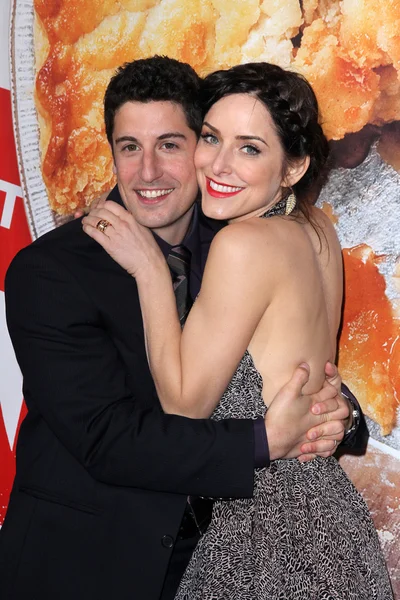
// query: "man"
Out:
[100,507]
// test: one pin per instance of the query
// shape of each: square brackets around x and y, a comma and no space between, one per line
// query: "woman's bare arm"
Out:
[241,263]
[191,369]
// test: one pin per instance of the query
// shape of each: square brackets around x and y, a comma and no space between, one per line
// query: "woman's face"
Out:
[238,159]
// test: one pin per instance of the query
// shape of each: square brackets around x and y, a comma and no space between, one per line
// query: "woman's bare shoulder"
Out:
[257,249]
[235,262]
[251,236]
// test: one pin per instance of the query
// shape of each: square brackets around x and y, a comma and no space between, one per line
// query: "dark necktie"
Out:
[179,264]
[198,511]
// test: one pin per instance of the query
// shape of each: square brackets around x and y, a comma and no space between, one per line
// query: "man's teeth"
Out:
[153,193]
[224,189]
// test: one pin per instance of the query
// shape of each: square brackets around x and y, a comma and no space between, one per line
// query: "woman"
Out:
[270,299]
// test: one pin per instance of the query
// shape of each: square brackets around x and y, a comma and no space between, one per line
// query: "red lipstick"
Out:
[218,194]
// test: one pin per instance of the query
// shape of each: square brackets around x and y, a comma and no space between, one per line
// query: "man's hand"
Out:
[325,438]
[291,415]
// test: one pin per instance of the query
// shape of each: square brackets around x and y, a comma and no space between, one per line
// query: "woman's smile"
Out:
[221,190]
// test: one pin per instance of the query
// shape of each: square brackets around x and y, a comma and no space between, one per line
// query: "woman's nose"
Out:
[222,162]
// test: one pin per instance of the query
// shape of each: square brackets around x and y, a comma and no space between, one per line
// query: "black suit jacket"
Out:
[102,473]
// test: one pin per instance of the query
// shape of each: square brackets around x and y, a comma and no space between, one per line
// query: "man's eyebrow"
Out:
[126,138]
[238,137]
[172,134]
[163,136]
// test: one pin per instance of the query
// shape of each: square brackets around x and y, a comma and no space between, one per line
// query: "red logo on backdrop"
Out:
[14,235]
[14,231]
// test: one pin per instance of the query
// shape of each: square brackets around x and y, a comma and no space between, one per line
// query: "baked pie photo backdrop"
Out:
[63,54]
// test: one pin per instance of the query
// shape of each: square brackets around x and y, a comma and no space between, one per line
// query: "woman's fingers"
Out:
[329,430]
[99,236]
[94,220]
[323,447]
[117,210]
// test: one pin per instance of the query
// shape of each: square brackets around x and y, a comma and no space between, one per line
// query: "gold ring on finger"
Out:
[102,225]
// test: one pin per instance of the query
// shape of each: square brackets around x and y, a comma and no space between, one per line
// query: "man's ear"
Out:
[296,171]
[114,169]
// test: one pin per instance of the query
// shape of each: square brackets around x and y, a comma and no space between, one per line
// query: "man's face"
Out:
[153,150]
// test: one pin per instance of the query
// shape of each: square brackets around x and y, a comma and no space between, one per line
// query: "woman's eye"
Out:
[251,150]
[209,138]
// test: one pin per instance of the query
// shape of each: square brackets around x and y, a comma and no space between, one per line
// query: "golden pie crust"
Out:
[369,341]
[349,46]
[349,50]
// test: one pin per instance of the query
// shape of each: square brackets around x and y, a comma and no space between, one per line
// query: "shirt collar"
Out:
[191,241]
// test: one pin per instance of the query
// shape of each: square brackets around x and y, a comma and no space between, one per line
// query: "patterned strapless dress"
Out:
[305,535]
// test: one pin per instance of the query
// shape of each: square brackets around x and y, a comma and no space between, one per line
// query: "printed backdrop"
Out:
[55,61]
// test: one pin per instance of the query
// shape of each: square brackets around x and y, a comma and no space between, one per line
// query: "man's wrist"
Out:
[355,414]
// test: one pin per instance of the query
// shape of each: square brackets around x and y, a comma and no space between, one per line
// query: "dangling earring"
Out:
[290,203]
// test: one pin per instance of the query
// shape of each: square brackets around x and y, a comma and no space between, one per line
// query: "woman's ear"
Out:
[296,171]
[114,169]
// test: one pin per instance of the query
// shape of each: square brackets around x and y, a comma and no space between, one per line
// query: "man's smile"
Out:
[153,195]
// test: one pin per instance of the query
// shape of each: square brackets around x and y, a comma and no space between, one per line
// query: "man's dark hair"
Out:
[154,79]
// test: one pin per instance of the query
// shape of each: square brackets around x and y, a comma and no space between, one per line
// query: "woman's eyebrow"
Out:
[238,137]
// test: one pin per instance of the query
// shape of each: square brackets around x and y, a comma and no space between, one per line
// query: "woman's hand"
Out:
[134,248]
[130,244]
[81,212]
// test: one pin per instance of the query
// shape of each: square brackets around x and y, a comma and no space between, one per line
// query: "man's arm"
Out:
[290,420]
[75,379]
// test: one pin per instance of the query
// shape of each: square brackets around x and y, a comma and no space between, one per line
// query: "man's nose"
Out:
[151,167]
